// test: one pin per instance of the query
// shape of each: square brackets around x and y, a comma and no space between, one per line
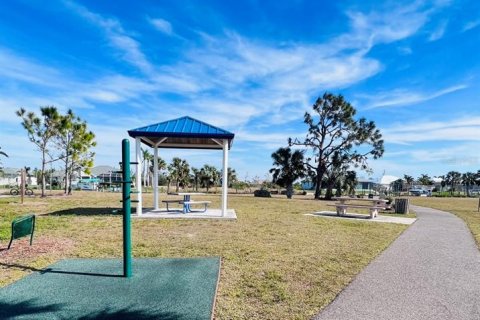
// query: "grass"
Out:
[277,262]
[465,208]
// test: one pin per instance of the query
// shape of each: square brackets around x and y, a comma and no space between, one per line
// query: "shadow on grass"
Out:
[29,310]
[50,270]
[87,212]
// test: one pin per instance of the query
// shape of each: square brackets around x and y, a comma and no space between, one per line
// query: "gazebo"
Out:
[181,133]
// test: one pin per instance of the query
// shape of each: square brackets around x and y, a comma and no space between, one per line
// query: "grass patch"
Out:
[464,208]
[277,262]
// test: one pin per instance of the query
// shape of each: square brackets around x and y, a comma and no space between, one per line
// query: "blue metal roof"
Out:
[182,128]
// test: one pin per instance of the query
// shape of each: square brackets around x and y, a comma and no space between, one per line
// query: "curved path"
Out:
[432,271]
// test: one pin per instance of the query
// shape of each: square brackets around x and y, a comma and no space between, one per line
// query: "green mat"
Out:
[95,289]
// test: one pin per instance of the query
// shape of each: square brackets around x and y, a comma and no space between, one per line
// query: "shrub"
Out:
[262,193]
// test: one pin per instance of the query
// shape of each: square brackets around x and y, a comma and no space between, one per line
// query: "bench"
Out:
[186,205]
[342,208]
[172,201]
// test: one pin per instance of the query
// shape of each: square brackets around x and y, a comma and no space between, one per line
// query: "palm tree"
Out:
[209,176]
[469,179]
[179,171]
[409,180]
[350,182]
[443,182]
[397,185]
[425,180]
[232,177]
[288,168]
[161,165]
[453,178]
[147,157]
[195,178]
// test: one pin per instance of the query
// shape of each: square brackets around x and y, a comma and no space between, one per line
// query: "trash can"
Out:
[401,205]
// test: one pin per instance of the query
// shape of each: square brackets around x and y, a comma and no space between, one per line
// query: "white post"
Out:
[225,178]
[155,178]
[138,175]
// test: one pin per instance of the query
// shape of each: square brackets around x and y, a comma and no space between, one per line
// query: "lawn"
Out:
[277,262]
[465,208]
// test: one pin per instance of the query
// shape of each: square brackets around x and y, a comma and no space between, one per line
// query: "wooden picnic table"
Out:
[187,201]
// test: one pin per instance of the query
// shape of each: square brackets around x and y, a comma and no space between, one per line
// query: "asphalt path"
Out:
[432,271]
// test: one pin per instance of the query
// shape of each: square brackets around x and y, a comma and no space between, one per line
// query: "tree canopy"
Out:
[334,134]
[289,166]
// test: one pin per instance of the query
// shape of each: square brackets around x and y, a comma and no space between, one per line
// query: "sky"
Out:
[250,67]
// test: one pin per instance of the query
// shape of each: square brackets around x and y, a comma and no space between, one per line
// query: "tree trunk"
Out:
[66,175]
[329,193]
[43,173]
[289,191]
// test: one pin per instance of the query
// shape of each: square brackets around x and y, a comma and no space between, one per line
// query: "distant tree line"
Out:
[60,137]
[449,181]
[179,174]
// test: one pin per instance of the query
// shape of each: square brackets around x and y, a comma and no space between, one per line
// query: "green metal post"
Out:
[127,240]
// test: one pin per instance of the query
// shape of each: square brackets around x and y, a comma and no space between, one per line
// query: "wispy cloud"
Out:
[25,70]
[439,31]
[116,36]
[471,25]
[462,129]
[162,25]
[403,97]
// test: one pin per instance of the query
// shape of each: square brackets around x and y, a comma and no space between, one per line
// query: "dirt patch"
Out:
[42,246]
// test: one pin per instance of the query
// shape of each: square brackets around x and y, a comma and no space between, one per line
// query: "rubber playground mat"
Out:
[170,289]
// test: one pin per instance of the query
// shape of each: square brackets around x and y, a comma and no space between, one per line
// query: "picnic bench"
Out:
[167,202]
[189,203]
[342,205]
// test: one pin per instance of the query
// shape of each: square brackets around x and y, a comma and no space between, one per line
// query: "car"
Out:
[86,186]
[419,192]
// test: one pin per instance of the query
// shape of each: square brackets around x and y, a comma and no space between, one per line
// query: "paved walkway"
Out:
[432,271]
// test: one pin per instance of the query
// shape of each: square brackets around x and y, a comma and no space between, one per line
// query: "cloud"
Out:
[439,31]
[162,25]
[471,25]
[464,129]
[116,35]
[403,97]
[238,83]
[25,70]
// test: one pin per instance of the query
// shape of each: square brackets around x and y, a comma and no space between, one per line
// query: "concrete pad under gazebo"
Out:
[181,133]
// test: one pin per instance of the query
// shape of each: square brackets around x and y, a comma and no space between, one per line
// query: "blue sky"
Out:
[251,67]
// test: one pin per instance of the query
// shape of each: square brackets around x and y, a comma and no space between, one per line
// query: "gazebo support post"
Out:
[138,175]
[225,177]
[155,177]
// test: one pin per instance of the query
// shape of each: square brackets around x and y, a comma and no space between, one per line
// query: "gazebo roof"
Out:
[184,132]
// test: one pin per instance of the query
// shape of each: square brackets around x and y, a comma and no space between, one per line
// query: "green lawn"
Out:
[277,263]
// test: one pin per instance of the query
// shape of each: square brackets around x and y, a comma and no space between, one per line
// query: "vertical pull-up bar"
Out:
[126,185]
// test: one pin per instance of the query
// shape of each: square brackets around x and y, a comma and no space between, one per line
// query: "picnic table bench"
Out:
[342,205]
[187,201]
[167,202]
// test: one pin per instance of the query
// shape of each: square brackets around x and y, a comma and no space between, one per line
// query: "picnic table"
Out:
[187,201]
[342,205]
